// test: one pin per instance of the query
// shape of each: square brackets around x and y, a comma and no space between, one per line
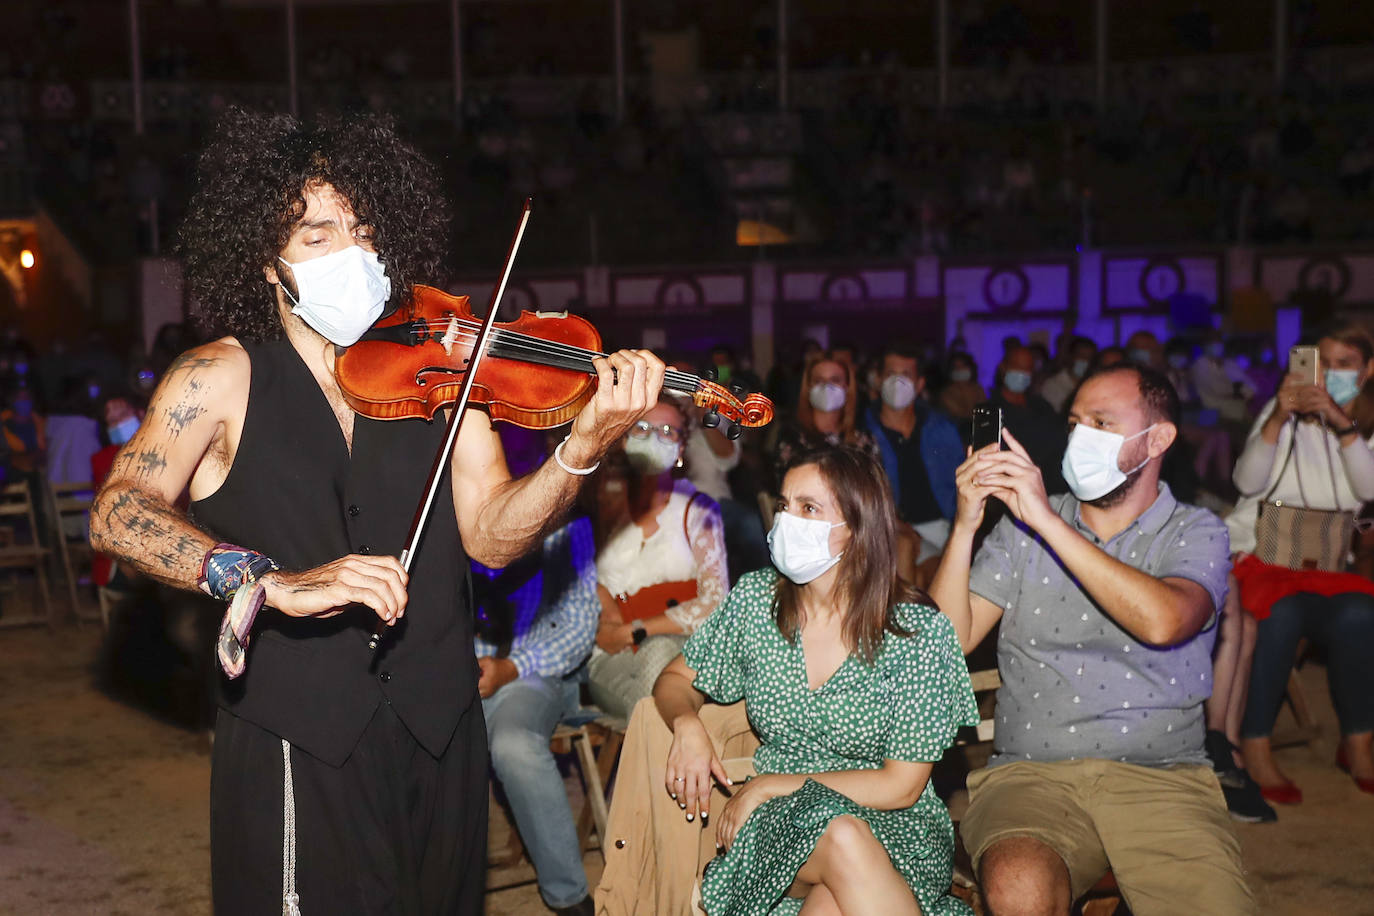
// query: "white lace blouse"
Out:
[629,561]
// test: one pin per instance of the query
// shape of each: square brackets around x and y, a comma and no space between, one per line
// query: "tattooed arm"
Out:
[189,437]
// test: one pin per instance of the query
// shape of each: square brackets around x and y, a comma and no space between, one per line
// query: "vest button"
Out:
[619,844]
[353,511]
[364,549]
[386,677]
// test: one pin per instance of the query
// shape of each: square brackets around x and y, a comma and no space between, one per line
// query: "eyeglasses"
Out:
[665,431]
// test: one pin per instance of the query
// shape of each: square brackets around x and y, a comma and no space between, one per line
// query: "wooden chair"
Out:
[1102,899]
[22,548]
[595,739]
[985,684]
[70,504]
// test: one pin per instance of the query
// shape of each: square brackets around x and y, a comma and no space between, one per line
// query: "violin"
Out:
[536,372]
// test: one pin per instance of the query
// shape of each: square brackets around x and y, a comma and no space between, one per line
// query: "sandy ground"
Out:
[104,808]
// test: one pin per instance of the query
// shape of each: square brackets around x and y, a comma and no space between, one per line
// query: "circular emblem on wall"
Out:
[1160,278]
[844,287]
[1006,288]
[1325,273]
[679,293]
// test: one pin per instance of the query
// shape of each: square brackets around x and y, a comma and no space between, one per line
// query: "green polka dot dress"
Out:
[906,706]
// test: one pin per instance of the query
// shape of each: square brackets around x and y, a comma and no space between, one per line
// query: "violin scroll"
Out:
[753,411]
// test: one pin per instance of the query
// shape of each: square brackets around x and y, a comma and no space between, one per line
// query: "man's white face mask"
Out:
[1090,462]
[340,294]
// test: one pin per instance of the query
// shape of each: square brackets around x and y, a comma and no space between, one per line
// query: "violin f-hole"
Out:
[437,370]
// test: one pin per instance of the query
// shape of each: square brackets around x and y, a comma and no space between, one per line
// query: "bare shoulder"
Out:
[209,380]
[220,360]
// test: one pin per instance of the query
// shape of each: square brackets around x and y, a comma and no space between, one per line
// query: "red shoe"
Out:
[1285,793]
[1342,761]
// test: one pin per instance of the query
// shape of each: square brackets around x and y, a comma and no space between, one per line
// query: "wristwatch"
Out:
[637,632]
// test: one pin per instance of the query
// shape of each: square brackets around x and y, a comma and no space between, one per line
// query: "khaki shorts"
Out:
[1164,833]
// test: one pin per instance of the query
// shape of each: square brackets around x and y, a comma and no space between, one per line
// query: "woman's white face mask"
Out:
[827,396]
[800,547]
[340,294]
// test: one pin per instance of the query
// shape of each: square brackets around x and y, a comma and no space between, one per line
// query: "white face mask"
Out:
[898,392]
[826,396]
[651,455]
[1090,461]
[341,294]
[800,547]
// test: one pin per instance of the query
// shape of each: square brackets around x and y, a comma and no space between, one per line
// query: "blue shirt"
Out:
[548,605]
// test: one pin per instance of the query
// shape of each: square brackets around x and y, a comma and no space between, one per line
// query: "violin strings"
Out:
[567,355]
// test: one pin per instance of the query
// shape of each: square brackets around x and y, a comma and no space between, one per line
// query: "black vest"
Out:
[295,494]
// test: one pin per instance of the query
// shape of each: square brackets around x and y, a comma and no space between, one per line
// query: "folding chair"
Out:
[23,548]
[70,504]
[581,733]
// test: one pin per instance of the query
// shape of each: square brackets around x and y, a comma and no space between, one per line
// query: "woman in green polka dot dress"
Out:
[855,686]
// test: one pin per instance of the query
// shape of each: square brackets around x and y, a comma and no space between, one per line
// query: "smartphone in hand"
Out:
[1305,362]
[987,426]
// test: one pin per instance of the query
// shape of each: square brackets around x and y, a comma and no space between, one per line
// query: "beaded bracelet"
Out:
[577,472]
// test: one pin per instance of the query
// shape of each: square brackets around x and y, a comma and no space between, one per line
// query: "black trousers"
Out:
[394,830]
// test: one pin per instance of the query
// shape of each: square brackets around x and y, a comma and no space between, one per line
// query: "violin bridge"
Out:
[450,335]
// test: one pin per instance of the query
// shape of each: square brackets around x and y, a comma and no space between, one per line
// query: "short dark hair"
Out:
[1080,342]
[902,348]
[1156,391]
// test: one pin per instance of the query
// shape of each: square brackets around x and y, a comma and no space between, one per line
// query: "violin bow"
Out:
[441,460]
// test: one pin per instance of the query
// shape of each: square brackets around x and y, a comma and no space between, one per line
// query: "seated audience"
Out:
[1074,363]
[1108,357]
[710,456]
[961,391]
[1031,419]
[1231,659]
[1221,385]
[856,686]
[920,450]
[1264,373]
[1144,349]
[827,407]
[662,569]
[123,416]
[1308,466]
[536,625]
[73,437]
[1106,597]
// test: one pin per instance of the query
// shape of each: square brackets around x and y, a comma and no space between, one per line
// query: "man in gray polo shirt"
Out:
[1108,599]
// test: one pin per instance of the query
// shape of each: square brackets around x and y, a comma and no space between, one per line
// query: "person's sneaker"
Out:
[583,907]
[1243,797]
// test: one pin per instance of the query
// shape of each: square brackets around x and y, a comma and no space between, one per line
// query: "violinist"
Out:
[343,781]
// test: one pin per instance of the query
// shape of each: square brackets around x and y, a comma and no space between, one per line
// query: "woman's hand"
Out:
[614,637]
[742,804]
[692,761]
[1297,397]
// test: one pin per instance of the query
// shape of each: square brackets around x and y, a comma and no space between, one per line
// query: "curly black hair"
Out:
[249,196]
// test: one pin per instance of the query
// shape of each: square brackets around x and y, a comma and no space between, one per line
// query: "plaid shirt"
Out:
[554,611]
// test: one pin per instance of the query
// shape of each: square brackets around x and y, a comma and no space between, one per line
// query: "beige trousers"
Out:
[654,856]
